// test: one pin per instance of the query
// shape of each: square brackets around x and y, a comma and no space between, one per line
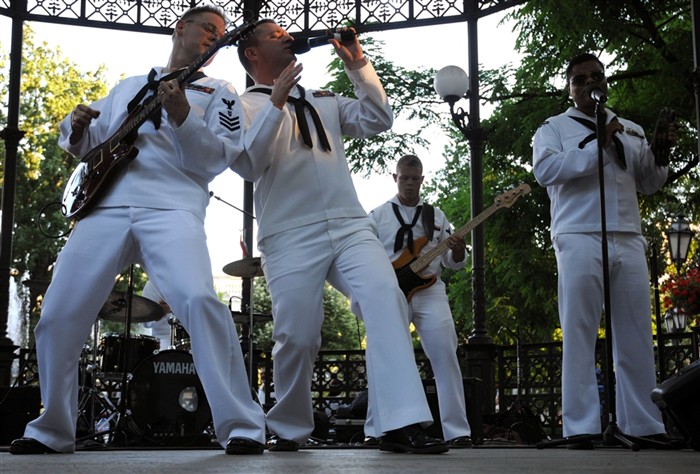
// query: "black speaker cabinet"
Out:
[20,406]
[474,398]
[677,397]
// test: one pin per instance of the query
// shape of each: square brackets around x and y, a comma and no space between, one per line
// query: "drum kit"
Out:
[132,393]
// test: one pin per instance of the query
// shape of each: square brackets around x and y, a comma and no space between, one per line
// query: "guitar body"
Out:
[409,281]
[88,180]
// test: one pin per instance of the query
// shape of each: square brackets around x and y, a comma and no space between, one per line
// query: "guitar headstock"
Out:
[232,37]
[508,198]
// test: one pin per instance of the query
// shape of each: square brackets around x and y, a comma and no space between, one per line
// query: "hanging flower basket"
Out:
[682,292]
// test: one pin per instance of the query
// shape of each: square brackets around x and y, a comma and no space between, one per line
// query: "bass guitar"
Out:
[97,168]
[409,265]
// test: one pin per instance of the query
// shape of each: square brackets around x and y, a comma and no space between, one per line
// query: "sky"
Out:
[128,53]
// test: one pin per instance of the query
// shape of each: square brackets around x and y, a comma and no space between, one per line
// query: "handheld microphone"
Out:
[597,95]
[303,45]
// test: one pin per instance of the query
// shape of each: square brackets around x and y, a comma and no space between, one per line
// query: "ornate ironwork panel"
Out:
[297,16]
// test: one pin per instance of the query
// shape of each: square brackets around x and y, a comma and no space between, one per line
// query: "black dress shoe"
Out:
[29,446]
[238,445]
[460,442]
[275,443]
[581,446]
[582,442]
[370,442]
[411,439]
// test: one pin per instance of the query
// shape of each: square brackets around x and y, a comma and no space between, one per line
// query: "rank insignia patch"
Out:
[228,119]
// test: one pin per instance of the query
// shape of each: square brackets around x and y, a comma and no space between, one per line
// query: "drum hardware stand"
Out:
[91,398]
[125,429]
[612,435]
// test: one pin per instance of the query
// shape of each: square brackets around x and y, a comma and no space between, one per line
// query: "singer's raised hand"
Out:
[288,78]
[350,52]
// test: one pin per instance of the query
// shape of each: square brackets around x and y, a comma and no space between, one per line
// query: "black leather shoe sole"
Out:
[394,447]
[281,444]
[29,446]
[244,446]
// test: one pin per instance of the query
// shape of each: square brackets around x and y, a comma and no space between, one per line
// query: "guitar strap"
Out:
[428,220]
[406,230]
[152,85]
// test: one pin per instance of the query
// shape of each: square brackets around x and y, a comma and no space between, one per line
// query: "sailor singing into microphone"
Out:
[565,161]
[313,229]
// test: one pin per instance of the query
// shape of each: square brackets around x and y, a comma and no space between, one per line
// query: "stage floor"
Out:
[481,459]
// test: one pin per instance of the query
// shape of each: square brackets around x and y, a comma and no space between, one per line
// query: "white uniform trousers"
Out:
[171,246]
[581,303]
[431,315]
[347,253]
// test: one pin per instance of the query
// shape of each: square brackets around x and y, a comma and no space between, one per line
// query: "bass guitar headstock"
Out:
[508,198]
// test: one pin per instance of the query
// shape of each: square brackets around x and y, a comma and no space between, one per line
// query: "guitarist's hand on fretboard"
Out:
[458,247]
[80,120]
[174,101]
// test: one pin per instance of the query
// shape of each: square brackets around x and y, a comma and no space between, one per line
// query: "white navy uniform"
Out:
[313,229]
[430,313]
[160,329]
[570,174]
[153,214]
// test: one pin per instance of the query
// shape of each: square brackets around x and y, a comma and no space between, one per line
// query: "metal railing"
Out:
[528,375]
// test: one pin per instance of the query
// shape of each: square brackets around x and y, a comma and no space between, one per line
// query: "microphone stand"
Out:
[211,194]
[612,435]
[251,378]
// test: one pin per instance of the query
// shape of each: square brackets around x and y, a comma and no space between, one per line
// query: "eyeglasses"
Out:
[208,27]
[579,80]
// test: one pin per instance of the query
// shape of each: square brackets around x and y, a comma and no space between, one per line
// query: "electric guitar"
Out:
[409,265]
[98,167]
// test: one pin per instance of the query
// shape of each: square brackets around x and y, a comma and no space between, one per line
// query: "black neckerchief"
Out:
[299,104]
[616,140]
[405,229]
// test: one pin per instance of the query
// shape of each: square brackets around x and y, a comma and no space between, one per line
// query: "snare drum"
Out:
[138,347]
[167,400]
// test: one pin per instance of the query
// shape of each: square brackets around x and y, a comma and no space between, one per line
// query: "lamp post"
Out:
[452,84]
[679,236]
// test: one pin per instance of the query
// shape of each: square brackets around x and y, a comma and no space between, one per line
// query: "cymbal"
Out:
[38,285]
[246,268]
[244,318]
[142,309]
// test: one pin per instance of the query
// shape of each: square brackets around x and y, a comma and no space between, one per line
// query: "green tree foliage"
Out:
[51,86]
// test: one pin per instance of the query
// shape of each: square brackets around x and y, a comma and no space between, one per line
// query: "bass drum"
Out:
[168,403]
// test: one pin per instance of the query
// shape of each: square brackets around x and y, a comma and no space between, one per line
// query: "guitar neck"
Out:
[153,105]
[424,260]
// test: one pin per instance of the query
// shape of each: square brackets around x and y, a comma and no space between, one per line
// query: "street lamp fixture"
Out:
[679,236]
[675,321]
[452,84]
